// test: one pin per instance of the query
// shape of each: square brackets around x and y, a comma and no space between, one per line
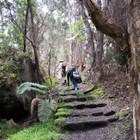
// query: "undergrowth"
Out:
[63,112]
[96,93]
[41,131]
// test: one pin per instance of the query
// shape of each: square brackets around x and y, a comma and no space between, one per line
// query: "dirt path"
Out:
[93,119]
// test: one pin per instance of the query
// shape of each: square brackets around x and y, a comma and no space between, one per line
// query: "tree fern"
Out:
[47,108]
[29,86]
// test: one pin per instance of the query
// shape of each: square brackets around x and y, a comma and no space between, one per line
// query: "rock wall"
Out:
[13,105]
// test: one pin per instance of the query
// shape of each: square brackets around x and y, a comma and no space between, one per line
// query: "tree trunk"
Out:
[34,45]
[25,28]
[90,44]
[70,34]
[134,40]
[124,41]
[106,26]
[99,53]
[99,50]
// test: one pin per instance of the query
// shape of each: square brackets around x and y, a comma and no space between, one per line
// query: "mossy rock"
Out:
[96,93]
[61,122]
[62,112]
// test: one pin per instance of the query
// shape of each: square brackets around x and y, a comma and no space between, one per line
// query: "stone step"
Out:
[88,122]
[72,98]
[82,105]
[67,94]
[92,112]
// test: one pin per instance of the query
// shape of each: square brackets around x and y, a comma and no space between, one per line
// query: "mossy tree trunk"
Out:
[127,36]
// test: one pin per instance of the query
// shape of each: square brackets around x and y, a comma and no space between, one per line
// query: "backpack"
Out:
[69,69]
[64,65]
[76,76]
[64,69]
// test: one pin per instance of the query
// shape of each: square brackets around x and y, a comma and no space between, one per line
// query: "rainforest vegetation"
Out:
[101,38]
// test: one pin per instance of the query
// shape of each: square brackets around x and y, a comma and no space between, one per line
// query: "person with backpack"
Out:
[62,71]
[74,77]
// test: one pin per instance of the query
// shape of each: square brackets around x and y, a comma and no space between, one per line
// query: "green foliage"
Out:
[61,121]
[4,41]
[21,54]
[47,107]
[67,106]
[63,91]
[62,112]
[120,58]
[8,127]
[51,82]
[41,131]
[60,99]
[128,125]
[123,113]
[5,133]
[9,68]
[96,93]
[2,124]
[29,86]
[46,110]
[78,27]
[115,130]
[109,53]
[8,72]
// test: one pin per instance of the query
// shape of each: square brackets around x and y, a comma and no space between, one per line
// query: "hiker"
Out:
[62,71]
[74,77]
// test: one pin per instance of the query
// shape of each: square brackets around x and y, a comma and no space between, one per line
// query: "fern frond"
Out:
[46,110]
[29,86]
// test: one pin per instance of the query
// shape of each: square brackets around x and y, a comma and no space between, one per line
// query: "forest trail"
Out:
[89,119]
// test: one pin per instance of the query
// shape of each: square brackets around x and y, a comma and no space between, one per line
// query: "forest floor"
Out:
[96,120]
[89,123]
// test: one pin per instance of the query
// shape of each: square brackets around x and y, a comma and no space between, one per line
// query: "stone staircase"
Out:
[87,117]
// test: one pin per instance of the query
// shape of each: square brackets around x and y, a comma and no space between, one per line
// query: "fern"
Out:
[29,86]
[46,110]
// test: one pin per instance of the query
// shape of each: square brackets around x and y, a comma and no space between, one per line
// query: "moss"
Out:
[21,54]
[96,93]
[123,113]
[61,121]
[9,73]
[39,131]
[62,112]
[60,99]
[10,66]
[67,105]
[128,125]
[8,128]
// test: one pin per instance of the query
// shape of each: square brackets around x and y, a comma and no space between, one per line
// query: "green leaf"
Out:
[29,86]
[46,110]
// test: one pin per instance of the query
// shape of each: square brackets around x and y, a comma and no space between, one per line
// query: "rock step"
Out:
[67,94]
[93,112]
[79,105]
[72,98]
[88,122]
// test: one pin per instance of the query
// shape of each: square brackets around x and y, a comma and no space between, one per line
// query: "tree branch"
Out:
[14,21]
[106,26]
